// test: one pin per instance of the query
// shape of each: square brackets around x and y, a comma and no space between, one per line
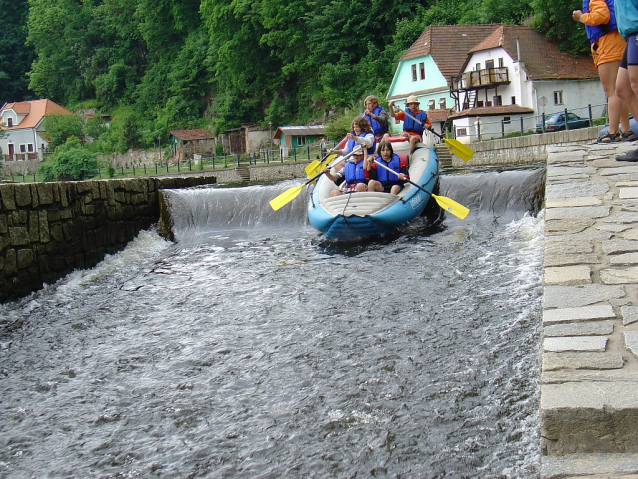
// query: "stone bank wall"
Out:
[50,229]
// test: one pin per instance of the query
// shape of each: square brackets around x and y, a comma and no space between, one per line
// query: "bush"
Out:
[70,161]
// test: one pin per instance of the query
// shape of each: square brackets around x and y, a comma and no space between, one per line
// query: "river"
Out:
[249,347]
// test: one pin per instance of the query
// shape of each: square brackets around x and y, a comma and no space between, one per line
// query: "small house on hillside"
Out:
[25,134]
[291,137]
[247,138]
[186,143]
[499,78]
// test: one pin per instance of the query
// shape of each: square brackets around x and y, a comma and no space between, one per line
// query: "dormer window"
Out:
[9,122]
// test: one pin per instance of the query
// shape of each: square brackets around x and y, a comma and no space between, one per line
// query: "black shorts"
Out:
[630,56]
[388,187]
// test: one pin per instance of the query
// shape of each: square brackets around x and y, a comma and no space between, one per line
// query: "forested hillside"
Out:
[167,64]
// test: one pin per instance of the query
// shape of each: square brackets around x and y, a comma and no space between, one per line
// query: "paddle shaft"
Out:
[397,175]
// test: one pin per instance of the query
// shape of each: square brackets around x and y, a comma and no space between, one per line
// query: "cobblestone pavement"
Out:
[589,370]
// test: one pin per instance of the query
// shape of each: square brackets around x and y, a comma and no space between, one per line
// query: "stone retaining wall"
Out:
[50,229]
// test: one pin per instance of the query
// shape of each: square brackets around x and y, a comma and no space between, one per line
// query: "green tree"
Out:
[69,161]
[15,56]
[60,128]
[554,19]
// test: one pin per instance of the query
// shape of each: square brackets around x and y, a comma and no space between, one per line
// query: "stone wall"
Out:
[50,229]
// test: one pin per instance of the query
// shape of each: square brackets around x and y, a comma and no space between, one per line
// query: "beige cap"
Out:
[357,150]
[412,99]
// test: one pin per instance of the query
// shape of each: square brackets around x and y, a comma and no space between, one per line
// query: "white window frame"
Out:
[558,97]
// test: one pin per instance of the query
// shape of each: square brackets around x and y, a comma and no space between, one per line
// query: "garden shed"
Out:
[186,143]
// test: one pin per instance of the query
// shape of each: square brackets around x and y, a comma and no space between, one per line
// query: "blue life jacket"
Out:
[351,144]
[410,125]
[378,130]
[354,173]
[594,32]
[383,175]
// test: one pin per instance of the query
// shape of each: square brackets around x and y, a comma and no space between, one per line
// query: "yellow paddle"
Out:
[317,166]
[291,193]
[457,148]
[447,204]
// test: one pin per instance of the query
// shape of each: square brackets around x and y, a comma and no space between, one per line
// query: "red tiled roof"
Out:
[189,135]
[450,46]
[34,110]
[541,57]
[439,114]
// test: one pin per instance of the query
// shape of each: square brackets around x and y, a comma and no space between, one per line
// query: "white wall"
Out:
[22,137]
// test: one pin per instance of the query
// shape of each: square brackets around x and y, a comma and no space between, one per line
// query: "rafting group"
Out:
[372,183]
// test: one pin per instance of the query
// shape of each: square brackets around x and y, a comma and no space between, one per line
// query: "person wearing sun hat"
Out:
[414,123]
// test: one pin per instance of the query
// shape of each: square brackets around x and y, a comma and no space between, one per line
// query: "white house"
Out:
[25,137]
[498,79]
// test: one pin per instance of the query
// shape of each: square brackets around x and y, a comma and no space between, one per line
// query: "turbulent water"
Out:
[251,348]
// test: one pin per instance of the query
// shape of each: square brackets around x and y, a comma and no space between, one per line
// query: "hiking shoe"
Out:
[629,156]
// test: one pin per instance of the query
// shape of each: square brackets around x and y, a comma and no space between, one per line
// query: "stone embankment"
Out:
[589,367]
[49,229]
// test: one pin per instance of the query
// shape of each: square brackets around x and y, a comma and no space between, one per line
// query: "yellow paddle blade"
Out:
[457,148]
[452,206]
[313,168]
[286,197]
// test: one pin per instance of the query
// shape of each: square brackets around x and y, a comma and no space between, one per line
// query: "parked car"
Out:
[556,122]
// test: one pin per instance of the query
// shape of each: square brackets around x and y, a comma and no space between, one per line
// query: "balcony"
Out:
[481,79]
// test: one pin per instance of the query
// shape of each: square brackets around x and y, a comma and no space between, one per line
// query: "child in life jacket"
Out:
[353,176]
[361,135]
[415,121]
[383,180]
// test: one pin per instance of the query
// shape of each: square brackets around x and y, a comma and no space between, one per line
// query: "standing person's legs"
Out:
[617,110]
[627,86]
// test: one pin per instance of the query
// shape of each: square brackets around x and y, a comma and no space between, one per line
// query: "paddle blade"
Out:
[457,148]
[452,206]
[286,197]
[313,168]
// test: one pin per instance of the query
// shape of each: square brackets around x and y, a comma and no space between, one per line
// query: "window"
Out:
[442,103]
[422,70]
[30,148]
[507,120]
[301,141]
[9,122]
[489,64]
[497,100]
[461,132]
[23,148]
[414,72]
[479,103]
[431,104]
[513,100]
[478,67]
[558,97]
[500,63]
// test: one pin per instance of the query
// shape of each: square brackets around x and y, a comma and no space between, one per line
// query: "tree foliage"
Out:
[70,161]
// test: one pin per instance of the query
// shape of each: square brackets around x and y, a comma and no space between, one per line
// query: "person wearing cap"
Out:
[412,129]
[361,135]
[376,115]
[353,176]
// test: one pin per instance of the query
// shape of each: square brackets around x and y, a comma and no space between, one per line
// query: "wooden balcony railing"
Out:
[475,80]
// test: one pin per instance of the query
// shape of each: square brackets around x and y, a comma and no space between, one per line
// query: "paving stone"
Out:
[619,275]
[567,226]
[570,259]
[622,218]
[625,258]
[582,212]
[598,328]
[571,189]
[628,193]
[614,246]
[586,360]
[575,343]
[568,275]
[613,228]
[582,313]
[631,342]
[630,234]
[629,314]
[583,295]
[594,466]
[573,202]
[557,245]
